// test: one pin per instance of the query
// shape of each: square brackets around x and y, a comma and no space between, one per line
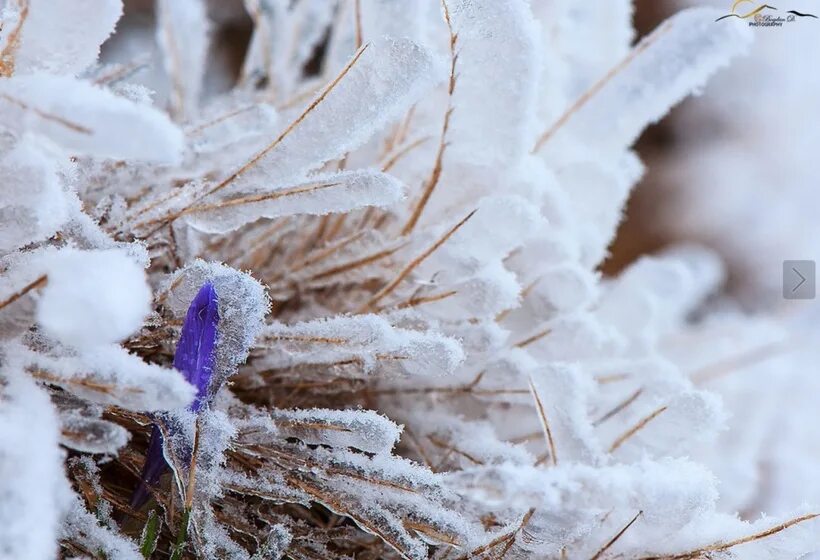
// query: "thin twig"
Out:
[435,175]
[261,197]
[351,265]
[253,161]
[737,362]
[621,406]
[388,289]
[357,8]
[614,539]
[505,538]
[542,414]
[38,283]
[13,42]
[421,300]
[636,428]
[400,153]
[720,547]
[534,338]
[47,116]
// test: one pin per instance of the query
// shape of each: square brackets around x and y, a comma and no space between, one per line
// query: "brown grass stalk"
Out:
[405,272]
[599,85]
[506,538]
[253,161]
[721,547]
[38,283]
[13,42]
[534,338]
[618,408]
[357,263]
[435,175]
[47,116]
[260,197]
[614,539]
[636,428]
[542,414]
[738,362]
[402,152]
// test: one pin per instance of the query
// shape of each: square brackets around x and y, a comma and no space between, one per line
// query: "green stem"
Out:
[148,542]
[182,536]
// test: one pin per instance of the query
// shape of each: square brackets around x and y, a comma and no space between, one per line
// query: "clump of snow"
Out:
[93,297]
[31,470]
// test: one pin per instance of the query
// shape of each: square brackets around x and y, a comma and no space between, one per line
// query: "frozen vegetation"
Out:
[355,312]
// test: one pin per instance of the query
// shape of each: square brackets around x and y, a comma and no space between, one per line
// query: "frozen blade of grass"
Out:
[85,119]
[673,61]
[150,534]
[63,37]
[182,33]
[323,194]
[380,82]
[500,108]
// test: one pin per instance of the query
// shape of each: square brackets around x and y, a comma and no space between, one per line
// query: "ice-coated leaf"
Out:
[673,61]
[276,545]
[87,120]
[574,501]
[35,204]
[364,338]
[499,39]
[92,435]
[182,33]
[392,18]
[82,429]
[110,375]
[63,36]
[84,528]
[561,393]
[499,226]
[323,194]
[577,26]
[360,429]
[373,19]
[380,83]
[284,37]
[223,125]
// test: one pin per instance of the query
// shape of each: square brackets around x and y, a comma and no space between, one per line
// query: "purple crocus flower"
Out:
[194,358]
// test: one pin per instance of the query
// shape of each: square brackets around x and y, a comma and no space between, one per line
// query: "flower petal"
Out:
[196,348]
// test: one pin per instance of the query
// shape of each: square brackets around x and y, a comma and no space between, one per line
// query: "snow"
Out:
[414,332]
[64,37]
[36,204]
[360,429]
[182,32]
[93,297]
[85,119]
[383,82]
[31,472]
[323,194]
[498,39]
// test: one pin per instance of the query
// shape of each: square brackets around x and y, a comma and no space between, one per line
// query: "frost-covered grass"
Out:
[414,353]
